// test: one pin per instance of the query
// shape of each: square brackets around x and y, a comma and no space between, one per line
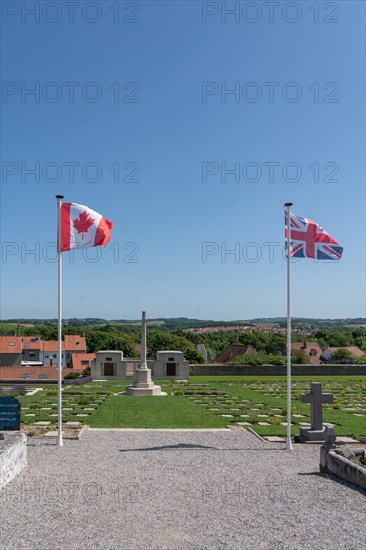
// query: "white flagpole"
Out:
[59,258]
[288,445]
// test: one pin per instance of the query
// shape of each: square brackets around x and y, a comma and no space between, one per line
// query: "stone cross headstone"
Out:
[316,399]
[9,414]
[316,433]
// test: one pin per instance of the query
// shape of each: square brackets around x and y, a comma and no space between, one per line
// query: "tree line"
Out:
[266,345]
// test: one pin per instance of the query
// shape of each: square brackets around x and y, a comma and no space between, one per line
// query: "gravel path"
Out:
[198,490]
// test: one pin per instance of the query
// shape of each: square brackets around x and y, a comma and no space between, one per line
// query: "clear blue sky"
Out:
[169,132]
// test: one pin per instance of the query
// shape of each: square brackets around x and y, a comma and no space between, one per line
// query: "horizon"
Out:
[135,320]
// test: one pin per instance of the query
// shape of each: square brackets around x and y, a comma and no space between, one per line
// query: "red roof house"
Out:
[234,350]
[311,349]
[80,361]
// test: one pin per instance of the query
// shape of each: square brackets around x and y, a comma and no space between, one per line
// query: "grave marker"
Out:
[316,433]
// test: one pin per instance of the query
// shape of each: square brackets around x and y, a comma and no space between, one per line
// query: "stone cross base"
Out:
[143,385]
[307,435]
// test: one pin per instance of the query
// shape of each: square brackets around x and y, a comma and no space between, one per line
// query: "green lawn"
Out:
[346,390]
[153,412]
[221,402]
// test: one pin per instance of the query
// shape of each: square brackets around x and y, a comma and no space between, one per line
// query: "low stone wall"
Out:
[13,455]
[342,467]
[212,369]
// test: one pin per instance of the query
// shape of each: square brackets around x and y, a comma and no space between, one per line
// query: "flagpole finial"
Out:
[59,196]
[289,203]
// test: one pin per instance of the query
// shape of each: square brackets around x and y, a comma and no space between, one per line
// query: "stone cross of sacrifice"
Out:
[316,398]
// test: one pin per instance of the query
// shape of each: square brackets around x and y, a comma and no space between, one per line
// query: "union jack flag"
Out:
[309,240]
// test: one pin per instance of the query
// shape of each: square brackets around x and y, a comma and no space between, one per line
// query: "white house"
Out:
[353,350]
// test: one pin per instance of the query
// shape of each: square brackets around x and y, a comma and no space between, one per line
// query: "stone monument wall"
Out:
[276,370]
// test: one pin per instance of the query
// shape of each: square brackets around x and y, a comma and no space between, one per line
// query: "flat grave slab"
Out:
[52,434]
[34,391]
[342,440]
[274,438]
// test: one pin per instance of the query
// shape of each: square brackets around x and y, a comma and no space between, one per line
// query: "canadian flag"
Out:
[82,227]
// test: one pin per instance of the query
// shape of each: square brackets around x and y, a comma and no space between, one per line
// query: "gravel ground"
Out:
[165,489]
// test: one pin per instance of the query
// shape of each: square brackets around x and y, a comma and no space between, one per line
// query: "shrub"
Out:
[193,356]
[284,410]
[275,359]
[15,391]
[255,359]
[299,357]
[342,356]
[274,420]
[247,359]
[84,401]
[71,376]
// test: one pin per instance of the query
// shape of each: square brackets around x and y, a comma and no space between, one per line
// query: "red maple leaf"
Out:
[83,223]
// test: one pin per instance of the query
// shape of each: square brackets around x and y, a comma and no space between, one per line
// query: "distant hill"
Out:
[180,323]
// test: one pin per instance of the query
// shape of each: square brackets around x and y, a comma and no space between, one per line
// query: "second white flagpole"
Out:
[59,263]
[288,445]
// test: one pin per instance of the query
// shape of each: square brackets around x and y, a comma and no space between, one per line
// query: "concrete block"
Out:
[13,456]
[345,469]
[346,451]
